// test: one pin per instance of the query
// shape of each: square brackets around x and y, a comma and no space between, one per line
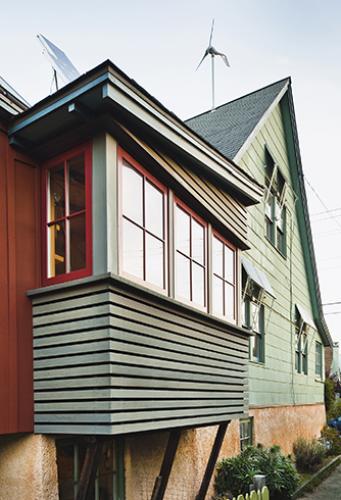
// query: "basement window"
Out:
[109,480]
[67,216]
[246,433]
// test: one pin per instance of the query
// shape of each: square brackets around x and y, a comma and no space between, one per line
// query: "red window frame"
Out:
[124,156]
[223,240]
[202,222]
[86,150]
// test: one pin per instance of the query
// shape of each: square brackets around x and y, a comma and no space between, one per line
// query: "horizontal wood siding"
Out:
[110,359]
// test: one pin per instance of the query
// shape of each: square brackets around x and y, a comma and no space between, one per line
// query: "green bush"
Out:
[236,474]
[329,394]
[331,439]
[334,410]
[308,454]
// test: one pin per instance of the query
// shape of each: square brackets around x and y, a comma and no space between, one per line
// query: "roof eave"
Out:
[124,92]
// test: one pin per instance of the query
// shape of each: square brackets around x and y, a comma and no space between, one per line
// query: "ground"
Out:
[330,489]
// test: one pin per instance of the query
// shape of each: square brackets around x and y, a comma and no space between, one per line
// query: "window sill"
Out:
[284,256]
[319,380]
[257,363]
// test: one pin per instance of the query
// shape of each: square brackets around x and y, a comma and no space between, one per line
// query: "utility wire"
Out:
[322,202]
[326,211]
[332,303]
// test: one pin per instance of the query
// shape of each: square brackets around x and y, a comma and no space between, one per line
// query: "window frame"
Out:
[301,349]
[202,222]
[86,150]
[216,234]
[124,156]
[248,323]
[250,434]
[318,353]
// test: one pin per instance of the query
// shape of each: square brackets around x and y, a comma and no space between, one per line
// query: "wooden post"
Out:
[89,468]
[212,461]
[166,467]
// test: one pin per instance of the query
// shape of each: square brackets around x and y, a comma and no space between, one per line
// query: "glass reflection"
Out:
[182,276]
[132,249]
[198,285]
[77,242]
[182,231]
[229,302]
[229,264]
[217,256]
[217,296]
[56,207]
[76,184]
[198,245]
[154,261]
[154,210]
[132,186]
[56,241]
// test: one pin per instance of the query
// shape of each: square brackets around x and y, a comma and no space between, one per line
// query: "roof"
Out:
[228,126]
[9,89]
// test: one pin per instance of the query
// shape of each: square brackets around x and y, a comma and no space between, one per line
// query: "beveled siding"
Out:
[110,358]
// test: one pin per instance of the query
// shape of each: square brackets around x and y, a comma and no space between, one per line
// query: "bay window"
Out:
[190,256]
[143,225]
[67,216]
[224,279]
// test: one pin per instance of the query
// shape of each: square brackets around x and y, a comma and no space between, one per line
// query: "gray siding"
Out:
[110,358]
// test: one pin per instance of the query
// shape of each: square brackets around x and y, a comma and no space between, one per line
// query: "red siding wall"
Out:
[19,272]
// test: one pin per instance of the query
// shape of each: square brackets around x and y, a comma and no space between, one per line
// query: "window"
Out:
[246,433]
[224,279]
[275,210]
[143,227]
[253,318]
[190,256]
[67,216]
[109,482]
[318,360]
[301,361]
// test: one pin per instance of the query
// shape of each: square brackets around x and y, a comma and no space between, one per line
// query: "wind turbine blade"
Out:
[203,57]
[224,58]
[211,34]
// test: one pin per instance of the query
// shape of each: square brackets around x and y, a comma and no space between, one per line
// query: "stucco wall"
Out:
[28,468]
[143,457]
[282,425]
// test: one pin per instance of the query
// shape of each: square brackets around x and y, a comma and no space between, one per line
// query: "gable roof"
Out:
[228,127]
[232,126]
[11,103]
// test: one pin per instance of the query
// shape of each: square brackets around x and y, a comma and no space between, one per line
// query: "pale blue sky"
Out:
[159,44]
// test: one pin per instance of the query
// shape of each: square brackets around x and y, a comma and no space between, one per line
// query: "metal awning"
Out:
[305,316]
[257,276]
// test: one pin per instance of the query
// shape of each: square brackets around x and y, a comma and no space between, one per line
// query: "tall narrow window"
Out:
[301,362]
[143,225]
[224,279]
[190,256]
[68,217]
[318,360]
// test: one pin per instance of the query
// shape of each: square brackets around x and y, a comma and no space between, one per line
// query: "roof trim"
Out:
[262,121]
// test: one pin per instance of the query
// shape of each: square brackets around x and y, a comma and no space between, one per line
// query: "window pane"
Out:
[56,244]
[132,194]
[182,276]
[182,231]
[217,296]
[76,184]
[77,242]
[229,264]
[154,210]
[56,208]
[198,242]
[132,249]
[217,256]
[229,302]
[198,284]
[154,261]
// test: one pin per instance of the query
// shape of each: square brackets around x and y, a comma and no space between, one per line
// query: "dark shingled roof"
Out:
[228,126]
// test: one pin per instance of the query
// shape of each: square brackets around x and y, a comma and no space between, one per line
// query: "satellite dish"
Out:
[61,64]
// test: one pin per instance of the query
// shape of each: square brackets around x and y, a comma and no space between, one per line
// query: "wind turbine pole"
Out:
[212,70]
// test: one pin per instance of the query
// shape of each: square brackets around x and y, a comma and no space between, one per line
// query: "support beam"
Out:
[166,467]
[89,468]
[212,461]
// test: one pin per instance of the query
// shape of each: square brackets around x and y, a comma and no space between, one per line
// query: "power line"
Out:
[322,202]
[331,313]
[326,211]
[332,303]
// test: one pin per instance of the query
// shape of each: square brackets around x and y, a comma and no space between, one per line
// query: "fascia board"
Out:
[129,100]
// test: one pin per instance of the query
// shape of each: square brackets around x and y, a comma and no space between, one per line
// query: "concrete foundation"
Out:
[28,469]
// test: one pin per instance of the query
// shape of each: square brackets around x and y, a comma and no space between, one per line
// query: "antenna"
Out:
[61,64]
[213,52]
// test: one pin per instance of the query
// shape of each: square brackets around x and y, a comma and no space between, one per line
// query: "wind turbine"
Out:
[213,52]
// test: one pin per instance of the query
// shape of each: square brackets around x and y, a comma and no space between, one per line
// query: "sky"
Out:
[160,43]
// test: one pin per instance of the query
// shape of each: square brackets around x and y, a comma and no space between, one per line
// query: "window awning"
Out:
[305,316]
[257,276]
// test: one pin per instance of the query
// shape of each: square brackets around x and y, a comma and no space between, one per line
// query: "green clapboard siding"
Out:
[110,358]
[276,381]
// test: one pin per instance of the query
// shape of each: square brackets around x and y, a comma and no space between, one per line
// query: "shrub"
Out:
[236,474]
[331,439]
[334,410]
[308,454]
[329,394]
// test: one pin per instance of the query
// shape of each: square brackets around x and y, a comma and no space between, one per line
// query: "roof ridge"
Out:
[288,78]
